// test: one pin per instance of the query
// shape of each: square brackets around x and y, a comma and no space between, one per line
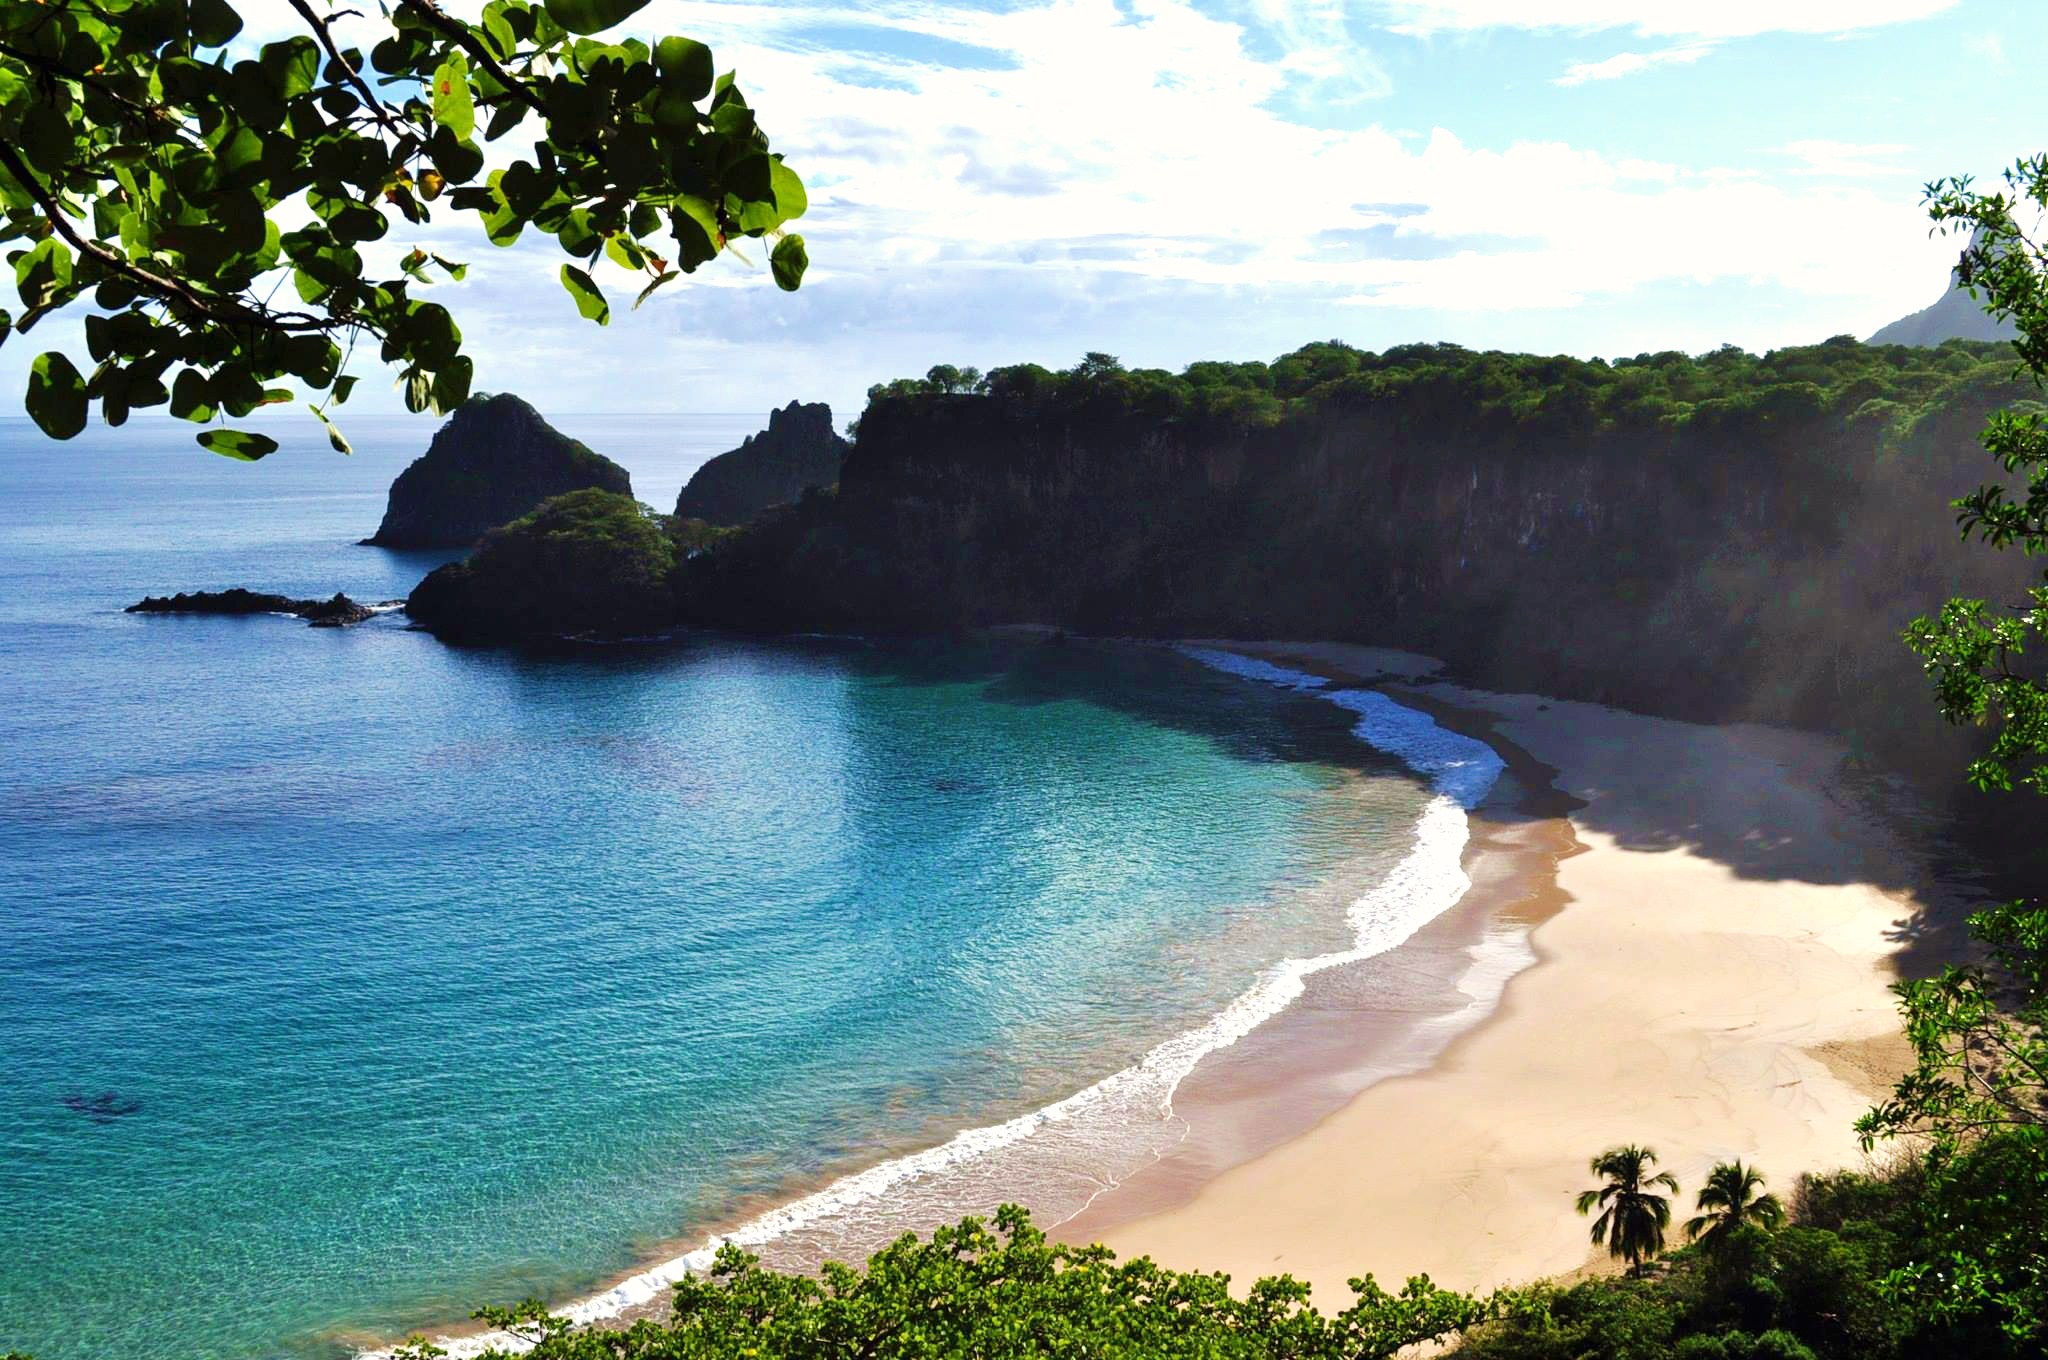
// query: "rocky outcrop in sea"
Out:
[494,460]
[338,612]
[799,450]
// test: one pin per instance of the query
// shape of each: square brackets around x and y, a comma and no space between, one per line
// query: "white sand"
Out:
[1715,986]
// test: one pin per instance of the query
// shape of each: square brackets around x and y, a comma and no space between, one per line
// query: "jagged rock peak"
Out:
[1955,315]
[494,460]
[799,450]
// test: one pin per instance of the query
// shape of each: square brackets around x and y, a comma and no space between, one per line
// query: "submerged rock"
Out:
[338,612]
[798,451]
[494,460]
[103,1108]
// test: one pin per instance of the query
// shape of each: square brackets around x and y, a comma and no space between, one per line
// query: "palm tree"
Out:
[1632,1219]
[1730,1198]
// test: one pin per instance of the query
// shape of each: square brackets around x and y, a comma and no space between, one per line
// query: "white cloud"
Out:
[1144,144]
[1656,18]
[1126,175]
[1629,63]
[1848,160]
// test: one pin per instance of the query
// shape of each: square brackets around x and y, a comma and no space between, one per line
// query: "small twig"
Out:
[353,76]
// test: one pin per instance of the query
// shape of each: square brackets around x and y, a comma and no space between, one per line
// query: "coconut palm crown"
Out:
[1731,1198]
[1632,1218]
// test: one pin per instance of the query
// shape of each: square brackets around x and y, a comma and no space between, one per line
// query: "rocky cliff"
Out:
[493,461]
[1748,552]
[798,451]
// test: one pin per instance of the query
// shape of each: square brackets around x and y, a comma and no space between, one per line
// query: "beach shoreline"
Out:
[1713,981]
[1374,1065]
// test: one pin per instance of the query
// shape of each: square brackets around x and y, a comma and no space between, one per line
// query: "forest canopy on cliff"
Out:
[1531,394]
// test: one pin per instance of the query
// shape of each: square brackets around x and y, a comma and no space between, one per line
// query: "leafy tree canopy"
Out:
[1978,1093]
[213,205]
[1001,1289]
[1727,392]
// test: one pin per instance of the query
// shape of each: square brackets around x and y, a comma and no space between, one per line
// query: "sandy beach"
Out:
[1714,927]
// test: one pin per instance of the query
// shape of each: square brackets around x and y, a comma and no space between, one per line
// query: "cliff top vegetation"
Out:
[1521,393]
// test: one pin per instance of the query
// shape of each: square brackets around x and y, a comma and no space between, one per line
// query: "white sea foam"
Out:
[1078,1147]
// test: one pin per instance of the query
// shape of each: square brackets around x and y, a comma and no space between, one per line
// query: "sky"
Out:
[1174,180]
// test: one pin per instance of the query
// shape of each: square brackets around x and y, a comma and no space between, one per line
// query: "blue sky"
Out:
[1170,180]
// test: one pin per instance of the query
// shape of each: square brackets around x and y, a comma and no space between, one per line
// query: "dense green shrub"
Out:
[589,562]
[1000,1290]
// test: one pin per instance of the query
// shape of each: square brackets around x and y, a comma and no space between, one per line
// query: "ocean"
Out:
[349,981]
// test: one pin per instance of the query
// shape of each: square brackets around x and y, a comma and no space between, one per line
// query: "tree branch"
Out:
[353,76]
[142,112]
[465,37]
[218,309]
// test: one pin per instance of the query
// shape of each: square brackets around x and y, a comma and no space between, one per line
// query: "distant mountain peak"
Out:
[1955,315]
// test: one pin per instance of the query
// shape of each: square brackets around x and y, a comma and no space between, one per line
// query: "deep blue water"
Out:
[427,978]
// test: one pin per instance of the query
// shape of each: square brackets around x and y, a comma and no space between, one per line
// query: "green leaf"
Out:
[685,67]
[292,66]
[242,445]
[589,301]
[457,272]
[214,22]
[458,160]
[625,252]
[192,396]
[334,435]
[502,223]
[790,198]
[592,16]
[343,385]
[696,231]
[788,262]
[498,33]
[56,396]
[43,272]
[451,384]
[454,106]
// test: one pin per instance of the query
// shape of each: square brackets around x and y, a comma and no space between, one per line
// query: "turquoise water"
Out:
[418,978]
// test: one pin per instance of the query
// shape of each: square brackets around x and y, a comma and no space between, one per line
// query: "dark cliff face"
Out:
[494,460]
[1755,561]
[797,452]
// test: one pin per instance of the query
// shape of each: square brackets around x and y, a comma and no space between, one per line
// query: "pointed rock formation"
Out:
[493,461]
[799,450]
[1955,315]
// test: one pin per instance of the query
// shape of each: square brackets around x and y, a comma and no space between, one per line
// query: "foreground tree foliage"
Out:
[172,178]
[1000,1289]
[1978,1095]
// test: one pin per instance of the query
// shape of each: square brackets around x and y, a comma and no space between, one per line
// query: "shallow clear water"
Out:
[430,978]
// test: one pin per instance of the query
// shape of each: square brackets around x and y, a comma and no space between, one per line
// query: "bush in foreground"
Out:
[998,1290]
